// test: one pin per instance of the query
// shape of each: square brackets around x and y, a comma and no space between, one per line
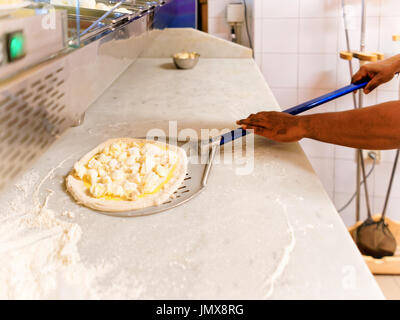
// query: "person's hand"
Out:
[378,73]
[277,126]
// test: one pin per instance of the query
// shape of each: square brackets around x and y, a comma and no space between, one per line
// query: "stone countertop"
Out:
[273,233]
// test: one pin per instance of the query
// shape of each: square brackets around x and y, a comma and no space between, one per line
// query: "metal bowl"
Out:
[186,63]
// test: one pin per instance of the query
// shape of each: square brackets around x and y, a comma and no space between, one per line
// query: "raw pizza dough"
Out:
[112,198]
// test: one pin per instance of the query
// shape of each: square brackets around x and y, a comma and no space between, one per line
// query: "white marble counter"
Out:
[271,234]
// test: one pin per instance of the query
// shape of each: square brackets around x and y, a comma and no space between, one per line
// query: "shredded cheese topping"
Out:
[185,55]
[127,171]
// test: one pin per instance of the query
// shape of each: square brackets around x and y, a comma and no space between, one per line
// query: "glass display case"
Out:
[38,29]
[90,19]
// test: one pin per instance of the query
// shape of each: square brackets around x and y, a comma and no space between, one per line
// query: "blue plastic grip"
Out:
[239,132]
[325,98]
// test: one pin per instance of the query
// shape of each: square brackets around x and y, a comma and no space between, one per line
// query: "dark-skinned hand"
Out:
[379,72]
[277,126]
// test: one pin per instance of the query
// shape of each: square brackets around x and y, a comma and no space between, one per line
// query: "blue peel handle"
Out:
[326,98]
[238,133]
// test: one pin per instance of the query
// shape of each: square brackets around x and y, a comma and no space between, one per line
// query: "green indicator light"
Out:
[16,46]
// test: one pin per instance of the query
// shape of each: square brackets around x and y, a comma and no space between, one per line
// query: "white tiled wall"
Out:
[296,44]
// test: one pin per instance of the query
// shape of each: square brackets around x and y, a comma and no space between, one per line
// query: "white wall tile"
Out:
[280,35]
[217,8]
[286,97]
[390,8]
[388,156]
[258,36]
[391,86]
[349,213]
[353,8]
[280,9]
[317,71]
[280,70]
[345,184]
[345,175]
[345,153]
[346,103]
[382,174]
[343,72]
[354,25]
[218,26]
[370,99]
[258,59]
[318,35]
[388,27]
[324,169]
[257,9]
[385,96]
[319,8]
[317,149]
[392,210]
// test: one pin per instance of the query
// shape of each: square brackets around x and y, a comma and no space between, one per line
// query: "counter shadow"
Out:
[168,66]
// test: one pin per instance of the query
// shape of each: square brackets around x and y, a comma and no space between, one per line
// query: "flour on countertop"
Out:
[39,257]
[284,261]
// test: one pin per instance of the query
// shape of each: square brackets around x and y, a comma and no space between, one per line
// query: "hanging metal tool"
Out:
[374,238]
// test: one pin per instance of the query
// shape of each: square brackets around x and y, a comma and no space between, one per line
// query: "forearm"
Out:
[376,127]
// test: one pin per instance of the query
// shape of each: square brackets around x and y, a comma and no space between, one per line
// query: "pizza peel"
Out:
[197,173]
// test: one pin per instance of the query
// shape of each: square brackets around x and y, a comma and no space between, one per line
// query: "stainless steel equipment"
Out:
[26,38]
[54,73]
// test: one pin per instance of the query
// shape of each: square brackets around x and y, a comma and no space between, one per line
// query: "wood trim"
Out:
[203,15]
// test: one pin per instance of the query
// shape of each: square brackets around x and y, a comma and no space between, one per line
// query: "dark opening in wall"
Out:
[202,15]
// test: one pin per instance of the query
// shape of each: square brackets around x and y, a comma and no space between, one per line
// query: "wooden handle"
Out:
[346,55]
[364,56]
